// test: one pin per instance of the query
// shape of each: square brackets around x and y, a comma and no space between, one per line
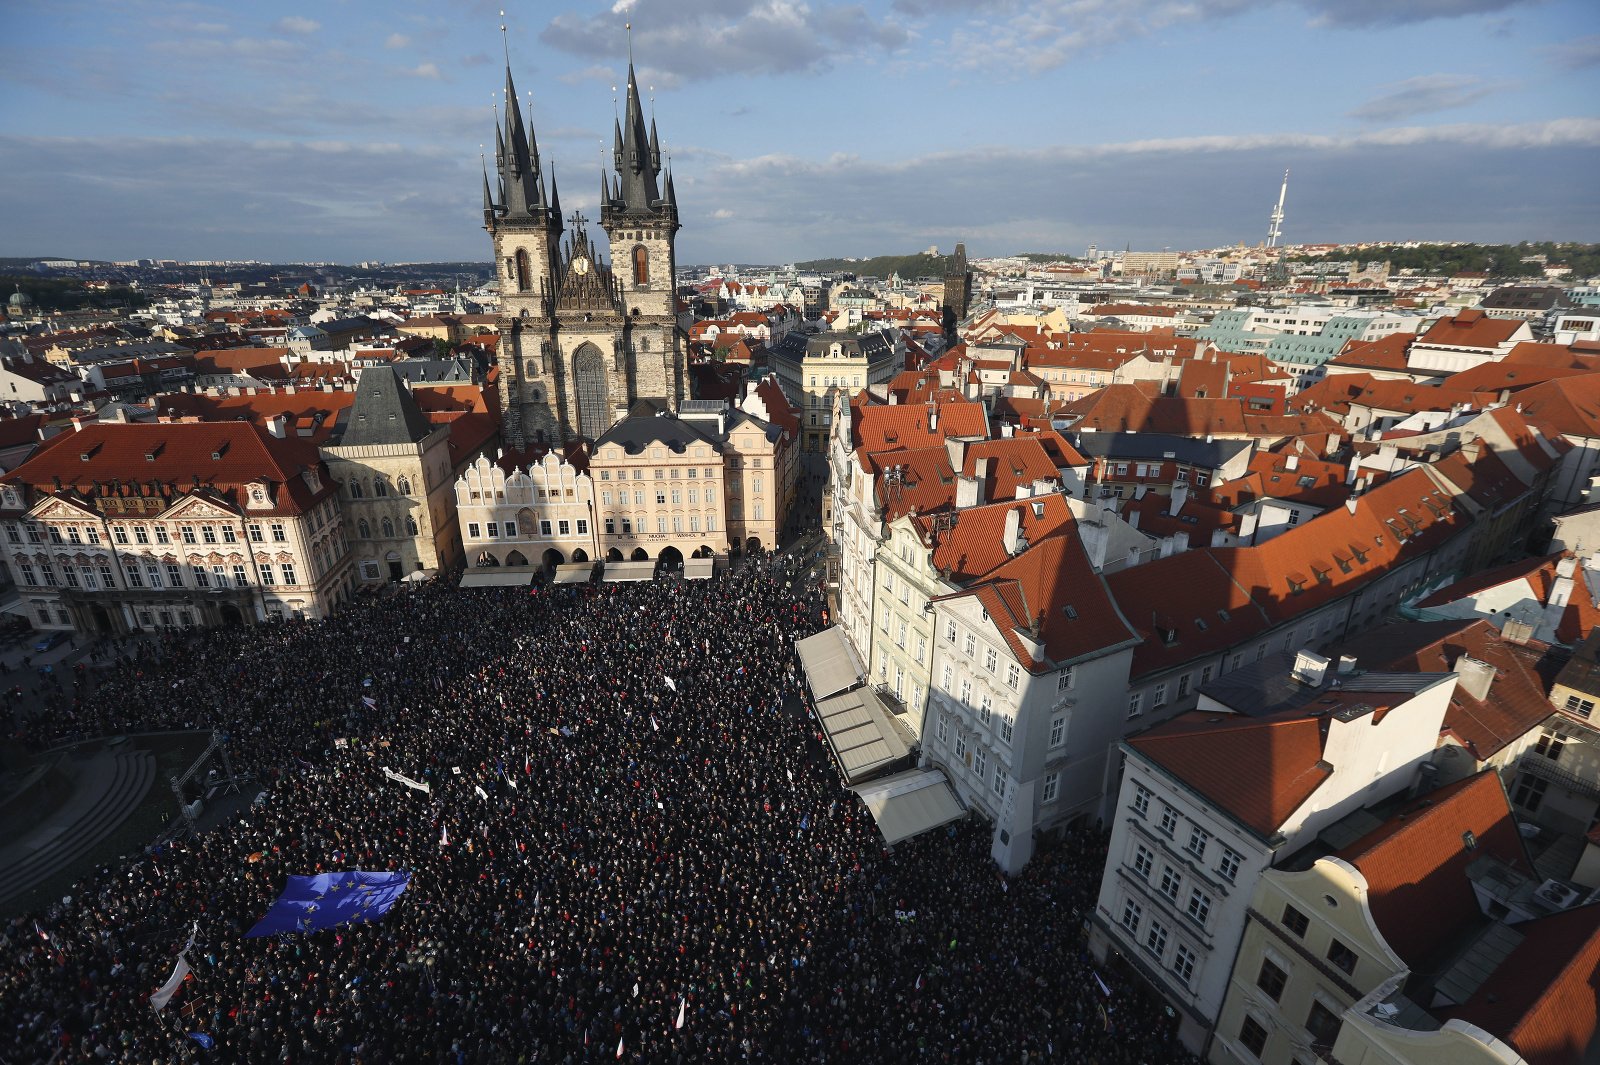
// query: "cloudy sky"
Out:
[351,129]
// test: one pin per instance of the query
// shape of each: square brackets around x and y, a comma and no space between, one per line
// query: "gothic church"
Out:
[582,339]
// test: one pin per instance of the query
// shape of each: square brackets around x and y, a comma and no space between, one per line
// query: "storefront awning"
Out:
[830,665]
[910,803]
[629,571]
[573,573]
[699,569]
[863,738]
[495,577]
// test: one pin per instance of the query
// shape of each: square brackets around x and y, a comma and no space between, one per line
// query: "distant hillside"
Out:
[908,267]
[69,294]
[1497,260]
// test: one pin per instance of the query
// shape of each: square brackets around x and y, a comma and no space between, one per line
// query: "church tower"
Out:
[957,291]
[579,341]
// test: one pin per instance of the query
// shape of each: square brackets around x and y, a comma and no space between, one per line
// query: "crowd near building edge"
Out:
[1261,567]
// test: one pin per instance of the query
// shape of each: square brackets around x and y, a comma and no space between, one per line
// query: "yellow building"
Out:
[813,369]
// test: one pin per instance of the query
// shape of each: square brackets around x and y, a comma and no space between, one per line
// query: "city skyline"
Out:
[185,130]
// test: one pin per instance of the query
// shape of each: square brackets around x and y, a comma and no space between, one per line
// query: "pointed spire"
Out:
[488,201]
[671,193]
[616,151]
[655,146]
[555,200]
[640,162]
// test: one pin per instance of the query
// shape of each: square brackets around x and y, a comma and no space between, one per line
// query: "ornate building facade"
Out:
[582,339]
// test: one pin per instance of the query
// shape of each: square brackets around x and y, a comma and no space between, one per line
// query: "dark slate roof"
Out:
[383,411]
[435,371]
[1146,446]
[646,424]
[1268,687]
[359,324]
[1526,298]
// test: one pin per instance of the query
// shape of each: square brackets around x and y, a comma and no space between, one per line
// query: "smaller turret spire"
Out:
[488,200]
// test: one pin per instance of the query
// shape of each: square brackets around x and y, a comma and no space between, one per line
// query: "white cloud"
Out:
[426,70]
[397,40]
[1576,54]
[696,39]
[298,24]
[1422,95]
[721,213]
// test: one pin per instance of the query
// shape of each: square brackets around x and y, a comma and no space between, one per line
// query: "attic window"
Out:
[1070,611]
[1200,623]
[1469,841]
[1223,614]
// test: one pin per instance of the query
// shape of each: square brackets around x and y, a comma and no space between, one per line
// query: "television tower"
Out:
[1275,230]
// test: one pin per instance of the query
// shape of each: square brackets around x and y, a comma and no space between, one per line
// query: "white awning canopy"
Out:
[573,573]
[830,664]
[630,571]
[858,728]
[699,569]
[494,577]
[910,803]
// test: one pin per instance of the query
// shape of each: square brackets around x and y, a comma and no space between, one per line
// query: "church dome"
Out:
[20,300]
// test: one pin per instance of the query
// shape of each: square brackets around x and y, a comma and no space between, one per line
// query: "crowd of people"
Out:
[630,813]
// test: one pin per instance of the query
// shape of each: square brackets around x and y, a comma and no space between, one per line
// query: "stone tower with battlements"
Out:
[583,338]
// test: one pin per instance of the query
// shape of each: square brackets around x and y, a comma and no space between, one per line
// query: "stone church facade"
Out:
[582,338]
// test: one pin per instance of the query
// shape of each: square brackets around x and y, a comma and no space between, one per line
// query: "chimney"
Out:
[1347,665]
[1351,503]
[1180,496]
[969,492]
[1291,463]
[957,451]
[1515,631]
[933,418]
[1011,539]
[1310,668]
[277,424]
[1474,677]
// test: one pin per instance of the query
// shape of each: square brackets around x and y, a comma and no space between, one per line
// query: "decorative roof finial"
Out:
[505,42]
[629,27]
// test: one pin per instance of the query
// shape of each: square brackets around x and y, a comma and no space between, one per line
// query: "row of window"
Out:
[976,759]
[380,487]
[663,495]
[141,534]
[1155,941]
[991,656]
[625,525]
[1199,844]
[693,472]
[386,527]
[154,575]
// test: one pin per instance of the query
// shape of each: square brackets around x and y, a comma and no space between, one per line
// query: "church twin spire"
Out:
[639,189]
[521,175]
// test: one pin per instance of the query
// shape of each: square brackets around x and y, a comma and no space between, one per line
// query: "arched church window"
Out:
[380,487]
[356,491]
[641,265]
[411,525]
[532,369]
[589,379]
[363,529]
[388,528]
[403,485]
[523,273]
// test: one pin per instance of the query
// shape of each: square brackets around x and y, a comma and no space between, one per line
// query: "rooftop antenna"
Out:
[1275,229]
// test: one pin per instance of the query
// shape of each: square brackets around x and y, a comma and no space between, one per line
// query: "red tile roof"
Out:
[888,427]
[913,480]
[224,456]
[1518,698]
[1569,407]
[972,546]
[1471,328]
[1052,592]
[1544,998]
[1014,464]
[1386,354]
[1416,866]
[1259,770]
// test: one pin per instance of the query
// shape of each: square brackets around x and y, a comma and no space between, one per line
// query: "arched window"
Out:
[403,485]
[641,265]
[356,491]
[363,529]
[411,525]
[531,369]
[388,529]
[523,274]
[594,404]
[380,487]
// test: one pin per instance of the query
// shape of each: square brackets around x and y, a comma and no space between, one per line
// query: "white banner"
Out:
[165,992]
[401,778]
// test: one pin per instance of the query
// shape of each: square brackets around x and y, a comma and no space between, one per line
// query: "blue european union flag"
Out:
[327,900]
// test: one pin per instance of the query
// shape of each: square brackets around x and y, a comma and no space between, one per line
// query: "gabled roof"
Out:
[1416,865]
[972,545]
[1258,770]
[1386,354]
[1185,606]
[1052,592]
[913,480]
[1471,328]
[1014,464]
[1544,998]
[1580,617]
[888,427]
[1569,407]
[383,412]
[1518,697]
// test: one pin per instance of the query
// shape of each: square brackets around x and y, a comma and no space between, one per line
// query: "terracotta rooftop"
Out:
[1471,328]
[1416,866]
